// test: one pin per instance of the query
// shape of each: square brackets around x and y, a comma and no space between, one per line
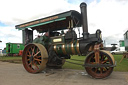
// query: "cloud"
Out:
[9,34]
[108,15]
[20,11]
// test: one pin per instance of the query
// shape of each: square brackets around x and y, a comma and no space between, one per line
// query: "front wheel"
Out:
[100,72]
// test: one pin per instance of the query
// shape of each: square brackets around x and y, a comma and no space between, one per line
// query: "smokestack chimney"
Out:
[83,7]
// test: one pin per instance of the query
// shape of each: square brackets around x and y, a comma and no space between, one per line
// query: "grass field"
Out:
[11,59]
[123,66]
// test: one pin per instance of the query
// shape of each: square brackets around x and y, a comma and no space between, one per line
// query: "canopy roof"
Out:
[126,32]
[56,22]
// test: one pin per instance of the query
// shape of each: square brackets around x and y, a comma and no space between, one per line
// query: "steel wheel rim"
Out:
[33,58]
[99,72]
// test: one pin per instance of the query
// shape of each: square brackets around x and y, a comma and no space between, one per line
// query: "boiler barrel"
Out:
[71,48]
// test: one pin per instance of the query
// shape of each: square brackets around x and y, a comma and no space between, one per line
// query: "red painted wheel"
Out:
[34,58]
[100,72]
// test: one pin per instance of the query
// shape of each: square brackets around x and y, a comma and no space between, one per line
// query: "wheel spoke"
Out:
[28,59]
[28,52]
[104,69]
[105,61]
[39,62]
[36,65]
[96,69]
[37,50]
[102,57]
[29,55]
[33,50]
[30,64]
[37,59]
[36,54]
[101,70]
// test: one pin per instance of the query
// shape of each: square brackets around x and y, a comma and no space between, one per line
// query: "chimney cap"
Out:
[83,4]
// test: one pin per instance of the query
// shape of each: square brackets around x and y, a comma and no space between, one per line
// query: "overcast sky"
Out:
[110,16]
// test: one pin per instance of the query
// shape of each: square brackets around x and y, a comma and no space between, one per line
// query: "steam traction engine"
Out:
[53,47]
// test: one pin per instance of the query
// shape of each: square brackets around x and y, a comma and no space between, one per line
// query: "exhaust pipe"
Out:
[83,7]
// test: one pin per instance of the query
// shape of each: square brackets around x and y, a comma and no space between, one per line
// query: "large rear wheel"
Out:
[34,58]
[100,72]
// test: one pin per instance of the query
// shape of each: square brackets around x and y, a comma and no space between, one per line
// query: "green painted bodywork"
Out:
[14,48]
[67,49]
[44,40]
[59,50]
[75,45]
